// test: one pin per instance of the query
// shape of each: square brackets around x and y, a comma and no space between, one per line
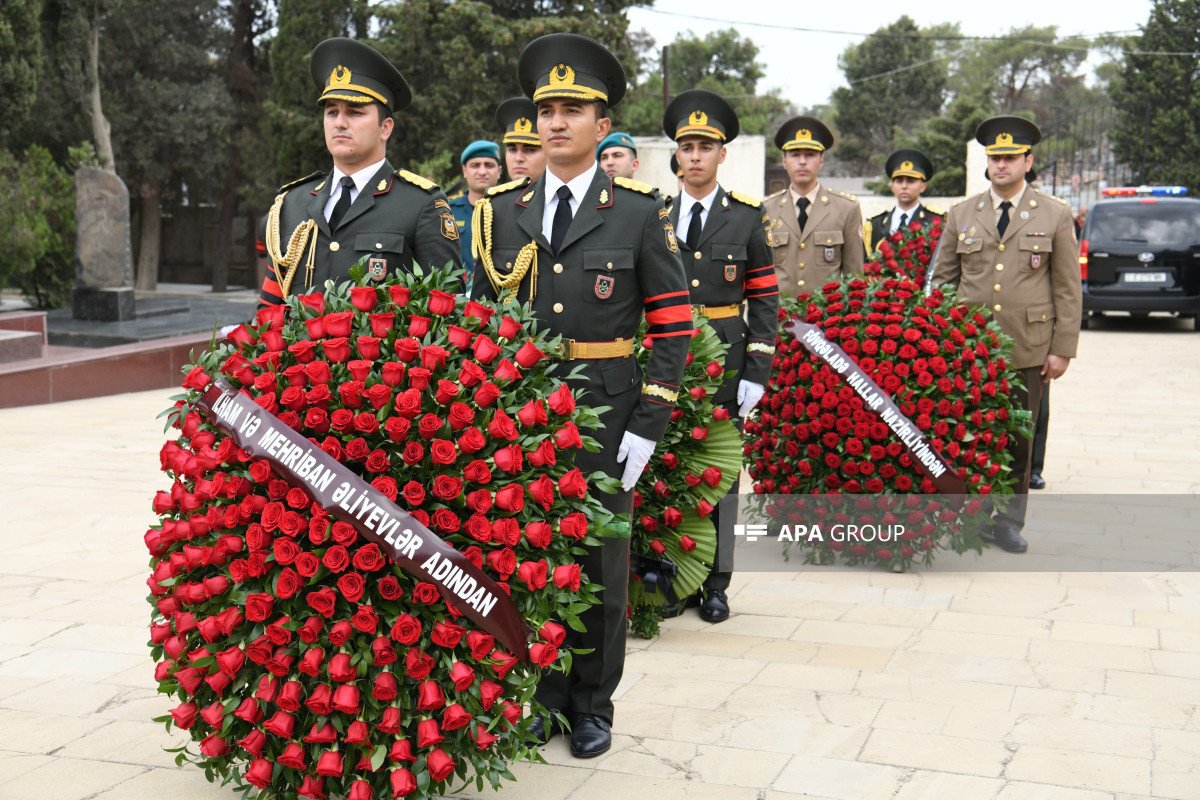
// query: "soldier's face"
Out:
[618,162]
[1008,170]
[570,130]
[907,191]
[524,160]
[699,158]
[354,133]
[481,173]
[803,167]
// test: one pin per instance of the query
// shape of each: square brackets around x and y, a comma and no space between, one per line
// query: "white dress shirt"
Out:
[360,179]
[686,203]
[578,186]
[897,213]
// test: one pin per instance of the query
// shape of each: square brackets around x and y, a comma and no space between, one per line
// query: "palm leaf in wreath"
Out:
[691,568]
[723,450]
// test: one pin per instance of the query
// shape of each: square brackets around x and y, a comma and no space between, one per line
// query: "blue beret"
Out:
[480,148]
[616,139]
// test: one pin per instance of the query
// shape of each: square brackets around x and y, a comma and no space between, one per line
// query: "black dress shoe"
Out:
[590,737]
[1008,538]
[715,607]
[543,728]
[672,610]
[1036,481]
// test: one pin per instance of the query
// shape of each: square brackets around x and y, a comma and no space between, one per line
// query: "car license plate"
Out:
[1145,277]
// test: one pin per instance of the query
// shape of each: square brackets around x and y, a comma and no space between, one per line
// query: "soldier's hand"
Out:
[635,451]
[1054,367]
[748,395]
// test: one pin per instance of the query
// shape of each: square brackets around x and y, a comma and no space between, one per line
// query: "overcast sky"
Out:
[789,54]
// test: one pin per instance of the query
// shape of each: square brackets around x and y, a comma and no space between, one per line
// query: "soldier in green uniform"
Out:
[617,155]
[1012,250]
[480,161]
[592,256]
[322,225]
[730,273]
[523,156]
[908,171]
[816,233]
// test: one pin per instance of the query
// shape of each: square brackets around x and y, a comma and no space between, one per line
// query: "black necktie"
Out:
[562,218]
[693,233]
[1002,224]
[903,220]
[802,217]
[343,202]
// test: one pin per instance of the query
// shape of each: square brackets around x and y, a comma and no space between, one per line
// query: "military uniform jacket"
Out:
[618,262]
[397,218]
[1028,279]
[460,206]
[880,225]
[830,247]
[731,265]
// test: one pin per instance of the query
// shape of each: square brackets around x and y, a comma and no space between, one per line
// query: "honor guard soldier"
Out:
[677,171]
[322,225]
[480,161]
[1012,250]
[523,155]
[617,155]
[909,171]
[816,233]
[591,255]
[730,274]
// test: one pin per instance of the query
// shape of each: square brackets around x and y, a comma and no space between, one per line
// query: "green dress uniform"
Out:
[1021,265]
[731,277]
[904,163]
[397,217]
[829,246]
[618,263]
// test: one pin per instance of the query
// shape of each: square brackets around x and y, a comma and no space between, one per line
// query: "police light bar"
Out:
[1145,191]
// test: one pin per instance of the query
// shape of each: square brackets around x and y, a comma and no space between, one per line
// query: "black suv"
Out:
[1140,252]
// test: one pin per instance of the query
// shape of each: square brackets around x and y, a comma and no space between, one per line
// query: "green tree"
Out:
[38,234]
[1157,98]
[944,140]
[20,62]
[898,78]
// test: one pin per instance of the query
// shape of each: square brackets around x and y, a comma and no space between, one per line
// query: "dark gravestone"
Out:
[103,257]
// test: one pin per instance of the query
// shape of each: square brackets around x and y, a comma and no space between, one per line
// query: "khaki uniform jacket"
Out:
[830,248]
[732,264]
[1028,279]
[397,219]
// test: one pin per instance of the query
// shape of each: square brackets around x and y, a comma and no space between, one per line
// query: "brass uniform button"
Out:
[803,245]
[558,268]
[800,284]
[1001,248]
[1037,247]
[558,307]
[996,287]
[608,265]
[800,265]
[334,246]
[696,255]
[996,307]
[379,245]
[1043,316]
[695,282]
[999,268]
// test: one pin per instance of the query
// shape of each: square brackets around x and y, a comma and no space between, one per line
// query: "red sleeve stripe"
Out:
[770,267]
[765,282]
[690,332]
[684,294]
[668,315]
[760,293]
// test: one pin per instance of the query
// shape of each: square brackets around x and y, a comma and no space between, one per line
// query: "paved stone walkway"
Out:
[855,685]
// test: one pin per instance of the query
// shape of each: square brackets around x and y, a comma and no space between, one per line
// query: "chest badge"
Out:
[377,268]
[604,286]
[829,253]
[1035,260]
[730,273]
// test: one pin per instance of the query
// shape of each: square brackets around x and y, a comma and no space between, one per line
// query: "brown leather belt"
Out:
[570,350]
[717,312]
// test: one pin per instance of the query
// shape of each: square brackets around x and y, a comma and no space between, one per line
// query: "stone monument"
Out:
[103,256]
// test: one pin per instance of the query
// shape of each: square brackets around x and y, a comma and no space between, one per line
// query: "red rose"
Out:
[502,427]
[440,303]
[446,488]
[462,676]
[477,472]
[486,394]
[281,724]
[425,593]
[441,765]
[389,588]
[320,700]
[543,654]
[512,497]
[413,453]
[455,717]
[553,633]
[489,693]
[568,437]
[538,534]
[365,619]
[533,414]
[418,326]
[471,374]
[574,525]
[352,585]
[259,773]
[485,349]
[509,328]
[573,484]
[446,521]
[533,573]
[443,452]
[483,740]
[403,782]
[506,531]
[399,294]
[337,349]
[401,750]
[259,607]
[346,699]
[407,349]
[481,644]
[542,492]
[529,355]
[687,543]
[506,371]
[322,601]
[369,558]
[543,455]
[445,634]
[430,697]
[509,459]
[406,630]
[460,338]
[503,562]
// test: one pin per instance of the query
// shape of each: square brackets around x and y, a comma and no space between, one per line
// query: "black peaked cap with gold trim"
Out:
[1007,135]
[908,163]
[350,70]
[804,133]
[518,117]
[699,112]
[570,66]
[675,168]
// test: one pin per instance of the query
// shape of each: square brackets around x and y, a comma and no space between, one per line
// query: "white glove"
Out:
[635,452]
[225,331]
[748,395]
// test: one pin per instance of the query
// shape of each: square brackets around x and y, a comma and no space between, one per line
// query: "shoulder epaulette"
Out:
[296,183]
[847,195]
[417,180]
[635,186]
[938,211]
[771,197]
[456,195]
[746,199]
[508,187]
